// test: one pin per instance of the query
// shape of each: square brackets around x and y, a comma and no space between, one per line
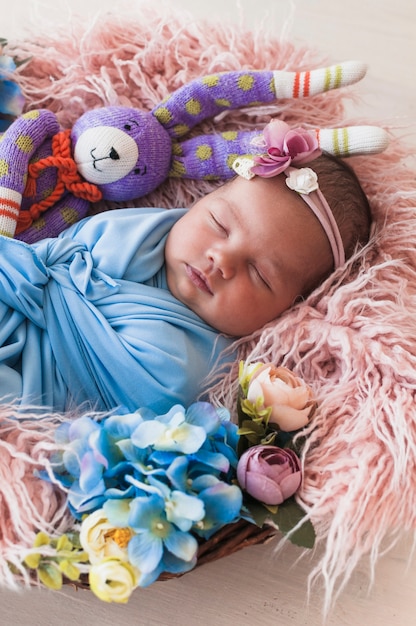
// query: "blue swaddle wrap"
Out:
[87,317]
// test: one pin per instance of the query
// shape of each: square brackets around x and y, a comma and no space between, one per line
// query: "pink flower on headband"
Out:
[285,146]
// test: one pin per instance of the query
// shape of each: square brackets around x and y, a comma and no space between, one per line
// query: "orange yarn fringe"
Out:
[68,179]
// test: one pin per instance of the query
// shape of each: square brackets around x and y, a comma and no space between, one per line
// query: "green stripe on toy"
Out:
[352,140]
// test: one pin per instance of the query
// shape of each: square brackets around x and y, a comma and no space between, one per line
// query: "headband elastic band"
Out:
[316,201]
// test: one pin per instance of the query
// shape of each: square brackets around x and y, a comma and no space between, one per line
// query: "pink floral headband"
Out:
[305,182]
[286,147]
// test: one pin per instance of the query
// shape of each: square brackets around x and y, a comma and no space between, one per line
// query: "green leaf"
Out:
[76,556]
[64,543]
[32,560]
[240,413]
[50,576]
[258,511]
[252,427]
[269,439]
[69,570]
[41,539]
[74,539]
[252,408]
[250,433]
[243,432]
[288,515]
[82,557]
[242,446]
[272,508]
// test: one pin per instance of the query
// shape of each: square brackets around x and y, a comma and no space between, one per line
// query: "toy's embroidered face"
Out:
[126,152]
[104,154]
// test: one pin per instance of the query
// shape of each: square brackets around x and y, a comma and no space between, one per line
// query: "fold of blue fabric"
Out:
[86,318]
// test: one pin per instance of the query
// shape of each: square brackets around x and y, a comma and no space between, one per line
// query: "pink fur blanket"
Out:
[353,340]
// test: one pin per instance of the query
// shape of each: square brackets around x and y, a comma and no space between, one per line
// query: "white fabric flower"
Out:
[242,166]
[303,180]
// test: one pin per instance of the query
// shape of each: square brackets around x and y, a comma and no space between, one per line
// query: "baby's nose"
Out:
[224,261]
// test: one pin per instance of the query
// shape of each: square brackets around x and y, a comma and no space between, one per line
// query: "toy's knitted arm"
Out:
[213,157]
[350,140]
[18,145]
[65,212]
[206,97]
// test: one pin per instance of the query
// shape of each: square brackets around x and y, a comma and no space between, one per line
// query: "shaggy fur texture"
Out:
[353,340]
[28,505]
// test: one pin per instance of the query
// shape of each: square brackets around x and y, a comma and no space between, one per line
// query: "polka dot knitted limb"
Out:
[211,157]
[206,97]
[17,146]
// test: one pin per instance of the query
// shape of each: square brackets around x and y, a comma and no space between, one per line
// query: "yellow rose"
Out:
[289,397]
[100,539]
[113,580]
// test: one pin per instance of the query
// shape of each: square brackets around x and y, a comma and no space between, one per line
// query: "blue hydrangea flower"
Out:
[157,544]
[91,459]
[222,503]
[166,477]
[171,432]
[11,97]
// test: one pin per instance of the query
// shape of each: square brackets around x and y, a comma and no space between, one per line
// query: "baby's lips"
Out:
[199,279]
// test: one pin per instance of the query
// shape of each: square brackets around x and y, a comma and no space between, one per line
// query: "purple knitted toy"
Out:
[49,177]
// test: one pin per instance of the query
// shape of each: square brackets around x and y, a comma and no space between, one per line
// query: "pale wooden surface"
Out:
[254,586]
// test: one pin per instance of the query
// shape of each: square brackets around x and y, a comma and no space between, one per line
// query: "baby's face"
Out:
[244,253]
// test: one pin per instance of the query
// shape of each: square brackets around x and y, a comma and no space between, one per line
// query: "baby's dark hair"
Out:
[349,204]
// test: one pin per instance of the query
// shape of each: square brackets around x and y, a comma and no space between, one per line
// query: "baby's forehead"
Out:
[256,186]
[261,194]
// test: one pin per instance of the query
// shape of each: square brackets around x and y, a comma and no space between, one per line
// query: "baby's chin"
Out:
[232,328]
[232,325]
[221,326]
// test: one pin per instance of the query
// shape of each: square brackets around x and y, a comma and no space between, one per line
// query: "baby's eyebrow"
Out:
[235,214]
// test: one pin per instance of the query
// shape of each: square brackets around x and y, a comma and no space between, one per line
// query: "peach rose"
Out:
[289,397]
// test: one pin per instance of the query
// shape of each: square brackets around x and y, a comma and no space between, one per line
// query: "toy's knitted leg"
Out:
[210,157]
[65,212]
[17,146]
[303,84]
[352,140]
[206,97]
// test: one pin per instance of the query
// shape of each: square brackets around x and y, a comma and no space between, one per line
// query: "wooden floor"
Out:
[253,587]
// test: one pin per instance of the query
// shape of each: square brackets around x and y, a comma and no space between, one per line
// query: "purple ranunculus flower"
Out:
[285,146]
[269,474]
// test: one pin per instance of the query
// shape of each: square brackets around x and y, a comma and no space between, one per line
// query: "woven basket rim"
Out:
[227,540]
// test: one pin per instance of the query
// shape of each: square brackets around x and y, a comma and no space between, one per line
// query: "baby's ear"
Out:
[351,140]
[303,84]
